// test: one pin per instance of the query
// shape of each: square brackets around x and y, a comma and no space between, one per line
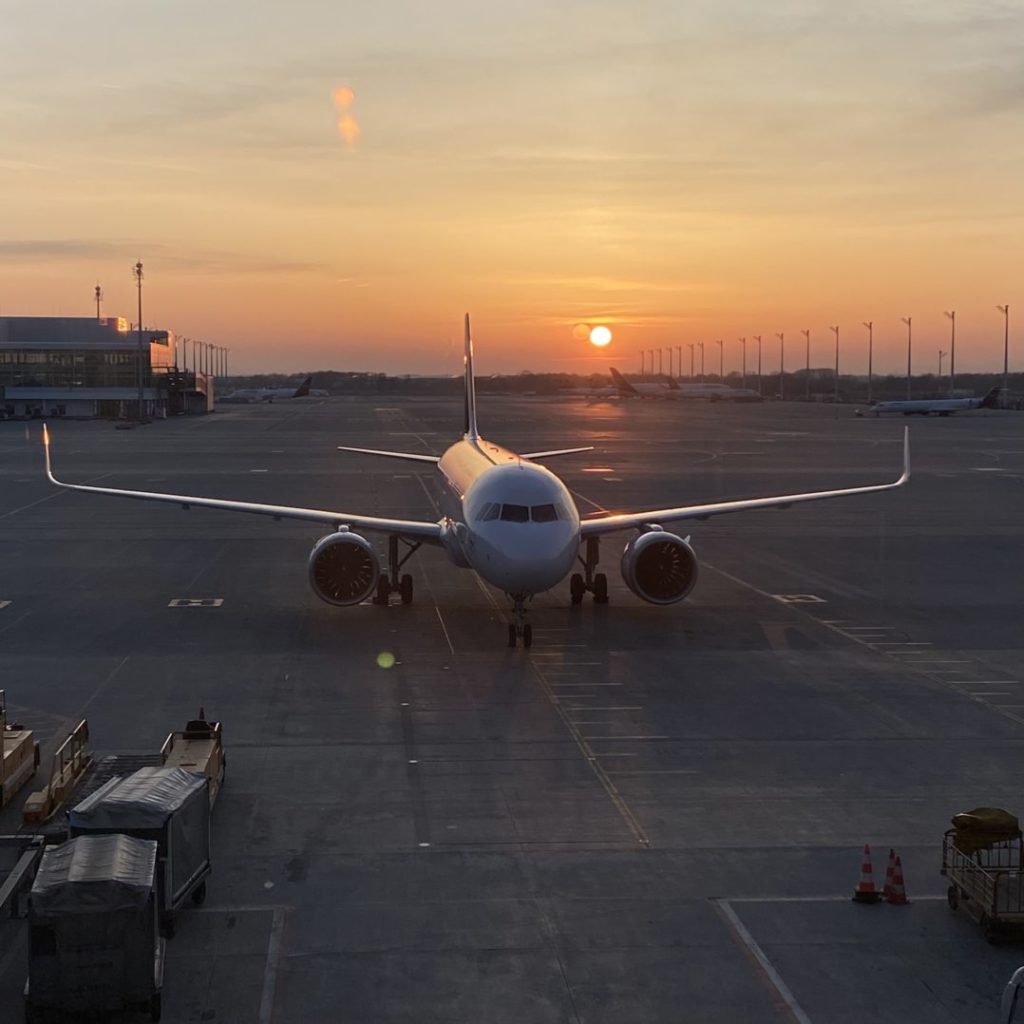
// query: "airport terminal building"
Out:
[87,367]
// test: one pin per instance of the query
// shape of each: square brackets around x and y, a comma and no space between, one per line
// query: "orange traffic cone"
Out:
[898,896]
[866,891]
[890,869]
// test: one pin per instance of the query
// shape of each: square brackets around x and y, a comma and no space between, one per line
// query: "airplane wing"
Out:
[658,517]
[412,528]
[556,451]
[408,456]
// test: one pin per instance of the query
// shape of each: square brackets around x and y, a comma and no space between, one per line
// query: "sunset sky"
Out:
[679,172]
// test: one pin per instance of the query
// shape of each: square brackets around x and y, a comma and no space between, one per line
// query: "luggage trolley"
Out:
[984,862]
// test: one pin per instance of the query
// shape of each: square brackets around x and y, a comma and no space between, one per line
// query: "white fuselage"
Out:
[513,521]
[925,405]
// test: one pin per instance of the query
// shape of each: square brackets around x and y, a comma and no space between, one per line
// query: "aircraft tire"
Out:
[383,592]
[577,588]
[527,635]
[600,589]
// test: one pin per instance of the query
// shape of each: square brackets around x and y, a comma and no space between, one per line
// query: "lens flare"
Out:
[348,129]
[600,336]
[581,332]
[344,96]
[386,659]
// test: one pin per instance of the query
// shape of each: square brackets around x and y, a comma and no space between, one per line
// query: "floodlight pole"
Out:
[701,344]
[757,338]
[782,365]
[138,284]
[1005,310]
[910,337]
[870,325]
[679,360]
[743,342]
[721,360]
[835,331]
[807,371]
[99,298]
[941,356]
[952,349]
[690,343]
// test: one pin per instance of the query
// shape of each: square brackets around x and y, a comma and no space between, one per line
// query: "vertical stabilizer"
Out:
[470,425]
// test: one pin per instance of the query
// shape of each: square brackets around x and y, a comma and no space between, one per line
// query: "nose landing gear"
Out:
[520,628]
[596,583]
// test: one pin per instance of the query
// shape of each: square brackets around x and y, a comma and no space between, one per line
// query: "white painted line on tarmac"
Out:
[612,707]
[772,975]
[195,602]
[273,962]
[903,643]
[259,470]
[982,682]
[654,771]
[994,693]
[555,686]
[602,737]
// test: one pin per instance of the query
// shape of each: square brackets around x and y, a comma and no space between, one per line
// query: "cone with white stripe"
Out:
[898,896]
[866,891]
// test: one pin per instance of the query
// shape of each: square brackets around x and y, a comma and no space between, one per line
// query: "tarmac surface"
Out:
[655,814]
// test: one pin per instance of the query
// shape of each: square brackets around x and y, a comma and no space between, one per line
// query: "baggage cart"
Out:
[986,879]
[94,943]
[170,806]
[19,755]
[199,747]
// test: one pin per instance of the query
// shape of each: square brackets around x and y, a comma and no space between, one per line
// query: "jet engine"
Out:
[343,568]
[659,567]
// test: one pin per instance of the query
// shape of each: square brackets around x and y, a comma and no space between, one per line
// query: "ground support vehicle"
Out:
[19,755]
[986,878]
[199,747]
[94,943]
[19,860]
[170,806]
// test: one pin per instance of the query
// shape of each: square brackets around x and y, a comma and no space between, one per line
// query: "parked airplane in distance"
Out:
[268,394]
[672,390]
[939,406]
[508,518]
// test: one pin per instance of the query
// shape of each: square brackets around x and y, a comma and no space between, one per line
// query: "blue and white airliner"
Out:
[506,517]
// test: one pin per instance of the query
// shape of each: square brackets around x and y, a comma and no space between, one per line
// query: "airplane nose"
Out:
[543,562]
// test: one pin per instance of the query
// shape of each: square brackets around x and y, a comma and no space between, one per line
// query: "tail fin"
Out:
[625,388]
[470,424]
[303,389]
[991,400]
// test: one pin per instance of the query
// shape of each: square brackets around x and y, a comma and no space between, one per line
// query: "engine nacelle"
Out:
[659,567]
[343,568]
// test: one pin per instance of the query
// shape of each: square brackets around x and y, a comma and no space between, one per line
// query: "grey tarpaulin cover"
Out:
[94,873]
[146,799]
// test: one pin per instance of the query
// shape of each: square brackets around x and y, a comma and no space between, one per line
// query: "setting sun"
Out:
[600,336]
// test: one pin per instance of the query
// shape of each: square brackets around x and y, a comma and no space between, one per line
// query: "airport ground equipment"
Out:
[71,761]
[983,858]
[199,747]
[19,755]
[94,942]
[170,806]
[19,860]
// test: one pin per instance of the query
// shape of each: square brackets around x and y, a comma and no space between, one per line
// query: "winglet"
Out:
[470,419]
[46,453]
[905,475]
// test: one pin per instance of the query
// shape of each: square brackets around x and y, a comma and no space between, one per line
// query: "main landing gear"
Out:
[596,583]
[520,628]
[392,583]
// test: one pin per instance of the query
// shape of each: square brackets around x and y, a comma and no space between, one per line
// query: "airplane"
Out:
[505,516]
[672,390]
[269,394]
[643,389]
[939,406]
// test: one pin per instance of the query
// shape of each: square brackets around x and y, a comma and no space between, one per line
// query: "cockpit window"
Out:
[544,513]
[515,513]
[489,512]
